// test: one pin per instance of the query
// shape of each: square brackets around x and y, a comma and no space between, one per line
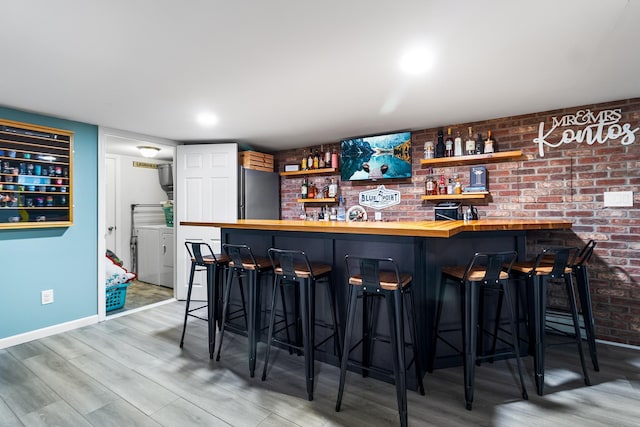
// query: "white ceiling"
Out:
[293,73]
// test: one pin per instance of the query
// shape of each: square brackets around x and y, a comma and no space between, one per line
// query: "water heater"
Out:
[165,174]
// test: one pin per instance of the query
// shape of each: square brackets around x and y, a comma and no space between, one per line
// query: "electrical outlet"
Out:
[47,296]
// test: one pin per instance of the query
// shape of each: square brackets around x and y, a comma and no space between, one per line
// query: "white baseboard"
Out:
[48,331]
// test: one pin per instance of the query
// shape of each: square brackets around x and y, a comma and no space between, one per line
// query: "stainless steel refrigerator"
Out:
[258,194]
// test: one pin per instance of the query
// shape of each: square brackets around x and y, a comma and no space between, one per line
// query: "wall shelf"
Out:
[323,200]
[36,185]
[463,196]
[323,171]
[501,156]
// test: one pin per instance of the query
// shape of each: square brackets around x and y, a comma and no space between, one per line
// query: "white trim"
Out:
[102,214]
[48,331]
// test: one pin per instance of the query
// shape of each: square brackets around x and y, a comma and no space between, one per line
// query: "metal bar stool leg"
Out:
[582,282]
[436,325]
[211,308]
[395,312]
[470,302]
[254,295]
[539,321]
[225,310]
[272,320]
[186,311]
[514,336]
[351,316]
[576,326]
[413,331]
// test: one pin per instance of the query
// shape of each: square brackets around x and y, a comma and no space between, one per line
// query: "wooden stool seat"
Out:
[388,280]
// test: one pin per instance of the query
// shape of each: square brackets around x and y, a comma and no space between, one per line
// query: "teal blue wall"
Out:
[62,259]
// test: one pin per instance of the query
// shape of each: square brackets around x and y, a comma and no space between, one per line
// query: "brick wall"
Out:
[566,183]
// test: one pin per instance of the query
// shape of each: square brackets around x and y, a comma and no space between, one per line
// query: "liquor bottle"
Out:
[479,144]
[303,163]
[316,160]
[429,185]
[334,158]
[302,214]
[327,158]
[333,188]
[450,186]
[457,145]
[311,191]
[304,189]
[448,144]
[321,163]
[341,214]
[440,144]
[458,185]
[442,186]
[310,159]
[325,189]
[470,145]
[435,186]
[488,144]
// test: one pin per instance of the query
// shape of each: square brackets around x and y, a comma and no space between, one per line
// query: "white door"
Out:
[110,202]
[206,189]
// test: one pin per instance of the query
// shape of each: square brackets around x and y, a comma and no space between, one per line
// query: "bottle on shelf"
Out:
[470,145]
[479,144]
[303,162]
[311,191]
[451,186]
[333,188]
[488,144]
[334,214]
[325,189]
[457,145]
[310,159]
[440,144]
[321,163]
[302,214]
[341,213]
[429,185]
[334,158]
[316,160]
[326,213]
[448,144]
[458,185]
[442,186]
[304,189]
[327,158]
[428,150]
[435,186]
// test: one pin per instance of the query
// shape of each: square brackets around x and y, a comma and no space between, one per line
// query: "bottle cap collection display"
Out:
[35,168]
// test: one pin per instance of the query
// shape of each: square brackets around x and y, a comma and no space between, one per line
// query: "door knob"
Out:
[111,228]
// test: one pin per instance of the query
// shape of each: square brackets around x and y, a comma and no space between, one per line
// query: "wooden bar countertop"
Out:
[443,229]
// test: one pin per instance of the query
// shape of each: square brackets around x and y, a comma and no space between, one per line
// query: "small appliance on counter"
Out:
[448,211]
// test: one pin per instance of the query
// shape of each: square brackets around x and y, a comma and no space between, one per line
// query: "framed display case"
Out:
[36,186]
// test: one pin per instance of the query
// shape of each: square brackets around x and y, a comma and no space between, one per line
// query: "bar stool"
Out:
[203,258]
[551,263]
[581,271]
[244,264]
[367,279]
[484,271]
[293,267]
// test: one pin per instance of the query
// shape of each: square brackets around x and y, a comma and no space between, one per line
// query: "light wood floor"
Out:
[140,294]
[129,371]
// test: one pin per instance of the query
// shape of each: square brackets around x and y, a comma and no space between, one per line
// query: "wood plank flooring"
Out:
[129,371]
[140,294]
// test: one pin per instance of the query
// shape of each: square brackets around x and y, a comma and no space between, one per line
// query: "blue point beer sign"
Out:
[585,126]
[379,198]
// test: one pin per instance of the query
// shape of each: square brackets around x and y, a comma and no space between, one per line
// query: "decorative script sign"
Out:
[586,127]
[379,198]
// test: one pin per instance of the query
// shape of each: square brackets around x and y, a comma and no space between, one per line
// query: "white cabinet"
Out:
[156,255]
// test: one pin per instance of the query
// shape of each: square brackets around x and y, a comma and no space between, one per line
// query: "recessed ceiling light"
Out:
[207,119]
[416,61]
